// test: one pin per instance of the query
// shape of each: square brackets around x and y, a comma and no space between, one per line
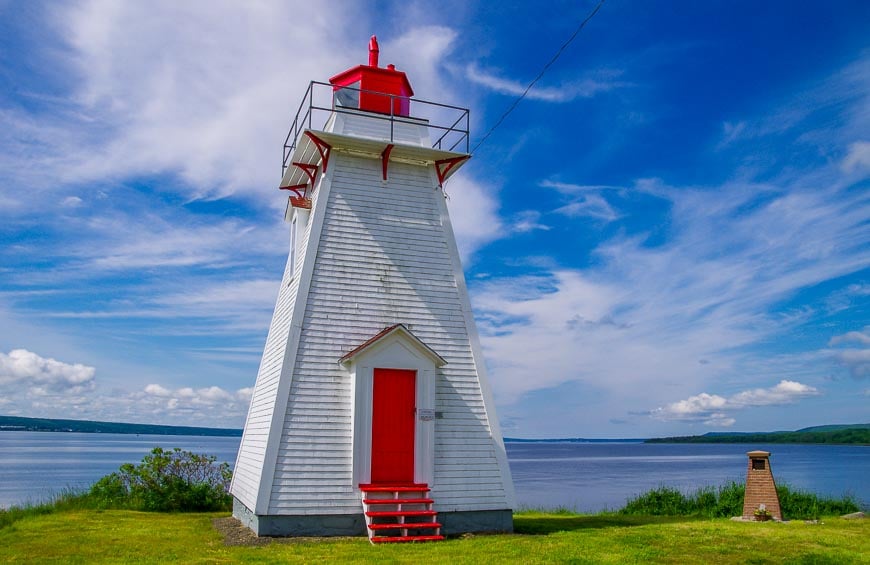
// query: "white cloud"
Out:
[563,314]
[157,390]
[148,241]
[21,369]
[732,132]
[856,360]
[720,421]
[862,338]
[585,201]
[585,88]
[858,157]
[160,400]
[236,299]
[199,89]
[422,52]
[589,206]
[844,92]
[700,404]
[473,213]
[527,221]
[33,386]
[646,315]
[570,188]
[198,308]
[783,393]
[713,410]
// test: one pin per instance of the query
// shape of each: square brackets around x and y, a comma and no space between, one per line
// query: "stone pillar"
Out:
[760,487]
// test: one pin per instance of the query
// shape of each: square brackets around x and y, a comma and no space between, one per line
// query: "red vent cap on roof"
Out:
[372,88]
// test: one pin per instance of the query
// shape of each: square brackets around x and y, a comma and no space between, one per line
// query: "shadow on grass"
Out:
[543,524]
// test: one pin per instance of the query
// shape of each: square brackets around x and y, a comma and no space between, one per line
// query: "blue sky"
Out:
[669,235]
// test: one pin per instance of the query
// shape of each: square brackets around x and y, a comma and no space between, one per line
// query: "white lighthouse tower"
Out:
[371,410]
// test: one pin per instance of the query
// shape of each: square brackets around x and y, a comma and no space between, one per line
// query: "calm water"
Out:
[580,476]
[592,477]
[34,465]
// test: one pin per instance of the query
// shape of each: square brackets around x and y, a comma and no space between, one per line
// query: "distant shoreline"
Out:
[575,440]
[837,434]
[21,424]
[840,434]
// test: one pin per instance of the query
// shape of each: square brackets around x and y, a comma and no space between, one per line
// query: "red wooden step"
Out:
[399,539]
[398,501]
[414,526]
[397,513]
[403,488]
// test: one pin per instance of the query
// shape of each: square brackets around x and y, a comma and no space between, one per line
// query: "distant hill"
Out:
[835,427]
[834,434]
[17,423]
[572,440]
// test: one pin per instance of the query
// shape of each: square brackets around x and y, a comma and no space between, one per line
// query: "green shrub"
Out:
[661,501]
[110,492]
[804,505]
[167,481]
[705,501]
[730,500]
[727,500]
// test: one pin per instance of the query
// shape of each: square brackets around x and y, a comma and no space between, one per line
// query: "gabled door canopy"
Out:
[396,331]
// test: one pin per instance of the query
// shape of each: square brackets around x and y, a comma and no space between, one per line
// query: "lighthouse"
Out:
[372,412]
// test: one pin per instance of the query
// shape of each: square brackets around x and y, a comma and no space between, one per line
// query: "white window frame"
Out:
[298,223]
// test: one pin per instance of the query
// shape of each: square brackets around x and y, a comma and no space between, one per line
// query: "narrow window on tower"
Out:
[297,236]
[294,238]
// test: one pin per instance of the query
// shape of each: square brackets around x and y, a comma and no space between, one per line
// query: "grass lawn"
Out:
[119,536]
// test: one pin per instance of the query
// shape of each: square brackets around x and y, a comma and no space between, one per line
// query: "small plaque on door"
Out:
[425,414]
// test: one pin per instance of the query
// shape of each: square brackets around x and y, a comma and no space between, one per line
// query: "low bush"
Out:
[806,505]
[727,500]
[167,481]
[661,501]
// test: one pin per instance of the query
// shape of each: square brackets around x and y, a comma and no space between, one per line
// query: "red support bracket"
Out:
[444,166]
[310,170]
[323,148]
[296,188]
[300,200]
[385,159]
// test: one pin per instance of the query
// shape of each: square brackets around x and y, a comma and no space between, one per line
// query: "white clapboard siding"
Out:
[359,124]
[250,462]
[383,257]
[372,254]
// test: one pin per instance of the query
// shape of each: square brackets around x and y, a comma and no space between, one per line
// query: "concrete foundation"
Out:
[453,523]
[476,521]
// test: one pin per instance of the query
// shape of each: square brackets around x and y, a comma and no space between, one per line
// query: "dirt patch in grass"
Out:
[235,533]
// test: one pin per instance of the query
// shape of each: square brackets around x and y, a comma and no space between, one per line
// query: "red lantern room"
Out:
[372,88]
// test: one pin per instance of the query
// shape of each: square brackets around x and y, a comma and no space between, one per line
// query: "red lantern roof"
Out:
[372,88]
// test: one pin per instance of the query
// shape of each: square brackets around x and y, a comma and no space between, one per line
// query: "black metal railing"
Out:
[322,102]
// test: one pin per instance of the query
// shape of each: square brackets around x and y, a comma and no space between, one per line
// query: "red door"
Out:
[393,426]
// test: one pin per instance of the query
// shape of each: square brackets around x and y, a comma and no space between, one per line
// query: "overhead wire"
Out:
[540,74]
